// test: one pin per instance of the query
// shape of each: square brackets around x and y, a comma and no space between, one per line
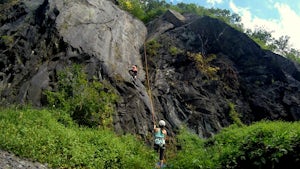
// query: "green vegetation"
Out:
[89,103]
[43,135]
[133,7]
[192,152]
[234,115]
[4,5]
[7,40]
[261,37]
[294,54]
[51,136]
[204,65]
[76,130]
[281,45]
[262,145]
[173,50]
[152,47]
[144,10]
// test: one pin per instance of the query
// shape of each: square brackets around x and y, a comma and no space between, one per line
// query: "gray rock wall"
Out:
[100,29]
[50,35]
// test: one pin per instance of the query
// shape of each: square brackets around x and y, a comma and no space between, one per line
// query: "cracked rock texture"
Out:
[11,161]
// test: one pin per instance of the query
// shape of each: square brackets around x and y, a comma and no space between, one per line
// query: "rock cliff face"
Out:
[41,37]
[261,84]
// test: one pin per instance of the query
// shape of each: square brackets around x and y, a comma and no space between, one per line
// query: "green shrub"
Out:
[7,40]
[261,145]
[265,144]
[89,103]
[134,7]
[174,51]
[234,115]
[52,137]
[192,153]
[152,47]
[37,134]
[203,64]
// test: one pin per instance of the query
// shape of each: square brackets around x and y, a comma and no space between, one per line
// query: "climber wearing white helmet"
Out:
[160,134]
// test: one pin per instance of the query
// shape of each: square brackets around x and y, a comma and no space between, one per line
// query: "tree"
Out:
[282,44]
[190,8]
[263,38]
[89,102]
[134,7]
[260,34]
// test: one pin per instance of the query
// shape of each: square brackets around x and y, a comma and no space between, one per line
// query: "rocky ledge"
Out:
[11,161]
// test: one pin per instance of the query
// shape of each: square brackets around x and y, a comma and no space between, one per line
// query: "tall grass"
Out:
[50,136]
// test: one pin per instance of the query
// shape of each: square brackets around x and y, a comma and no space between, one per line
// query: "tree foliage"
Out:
[261,37]
[89,103]
[134,7]
[281,45]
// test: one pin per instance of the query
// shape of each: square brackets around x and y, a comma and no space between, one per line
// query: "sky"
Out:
[280,17]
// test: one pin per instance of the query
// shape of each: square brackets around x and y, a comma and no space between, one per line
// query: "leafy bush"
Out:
[175,51]
[7,40]
[134,7]
[265,145]
[37,134]
[50,136]
[261,145]
[89,103]
[152,47]
[234,115]
[192,152]
[203,64]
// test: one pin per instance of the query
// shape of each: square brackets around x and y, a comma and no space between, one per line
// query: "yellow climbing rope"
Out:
[148,85]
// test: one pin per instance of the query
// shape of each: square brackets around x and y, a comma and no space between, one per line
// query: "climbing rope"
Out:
[148,85]
[149,89]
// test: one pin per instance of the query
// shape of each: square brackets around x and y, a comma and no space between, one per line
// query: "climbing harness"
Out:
[159,138]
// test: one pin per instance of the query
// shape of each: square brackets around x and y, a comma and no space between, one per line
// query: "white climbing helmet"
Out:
[161,123]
